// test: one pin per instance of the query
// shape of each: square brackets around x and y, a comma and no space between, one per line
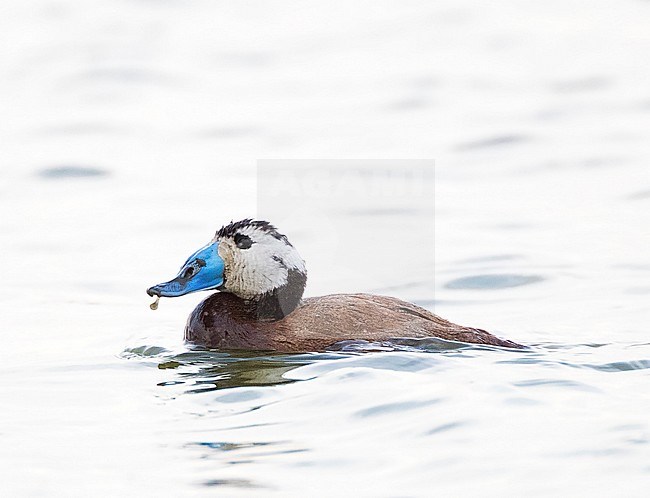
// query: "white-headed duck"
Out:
[260,279]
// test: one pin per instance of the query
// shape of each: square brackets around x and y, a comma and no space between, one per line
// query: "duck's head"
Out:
[250,259]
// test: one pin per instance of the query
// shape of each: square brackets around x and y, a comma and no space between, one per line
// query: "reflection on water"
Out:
[200,370]
[256,414]
[233,372]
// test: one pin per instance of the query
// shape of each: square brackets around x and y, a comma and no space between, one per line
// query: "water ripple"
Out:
[391,408]
[445,427]
[493,281]
[490,142]
[71,171]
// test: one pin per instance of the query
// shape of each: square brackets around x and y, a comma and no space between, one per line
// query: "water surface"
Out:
[132,130]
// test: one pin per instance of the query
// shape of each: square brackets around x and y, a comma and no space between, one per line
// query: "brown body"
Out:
[225,321]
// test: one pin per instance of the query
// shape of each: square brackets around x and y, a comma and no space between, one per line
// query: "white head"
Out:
[249,259]
[257,258]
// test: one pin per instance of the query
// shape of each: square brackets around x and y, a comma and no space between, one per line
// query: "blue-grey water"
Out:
[132,129]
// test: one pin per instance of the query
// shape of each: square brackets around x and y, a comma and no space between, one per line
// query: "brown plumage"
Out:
[224,321]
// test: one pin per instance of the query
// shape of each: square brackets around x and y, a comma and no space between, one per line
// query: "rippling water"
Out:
[131,130]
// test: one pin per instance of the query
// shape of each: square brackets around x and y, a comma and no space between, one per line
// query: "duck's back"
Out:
[223,321]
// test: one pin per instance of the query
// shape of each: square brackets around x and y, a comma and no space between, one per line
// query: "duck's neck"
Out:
[278,303]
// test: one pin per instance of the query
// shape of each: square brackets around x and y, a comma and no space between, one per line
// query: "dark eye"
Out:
[188,273]
[243,241]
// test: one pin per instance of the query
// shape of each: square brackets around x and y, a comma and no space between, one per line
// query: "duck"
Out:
[259,278]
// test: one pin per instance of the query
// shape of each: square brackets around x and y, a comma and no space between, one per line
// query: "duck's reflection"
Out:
[201,371]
